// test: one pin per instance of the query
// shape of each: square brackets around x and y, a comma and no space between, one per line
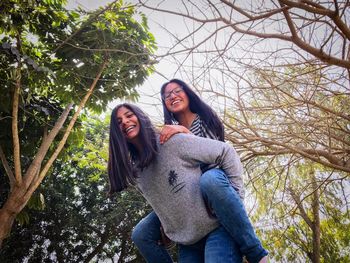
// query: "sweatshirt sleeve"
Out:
[196,149]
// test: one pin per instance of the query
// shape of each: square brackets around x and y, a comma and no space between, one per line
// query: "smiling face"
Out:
[175,98]
[129,124]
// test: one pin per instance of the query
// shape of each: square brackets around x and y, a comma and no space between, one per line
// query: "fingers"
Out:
[164,135]
[163,139]
[167,132]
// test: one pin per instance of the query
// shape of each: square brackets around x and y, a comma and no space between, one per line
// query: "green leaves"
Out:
[78,216]
[36,202]
[60,52]
[53,56]
[287,196]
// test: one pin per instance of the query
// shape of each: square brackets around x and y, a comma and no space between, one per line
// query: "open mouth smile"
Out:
[129,129]
[175,102]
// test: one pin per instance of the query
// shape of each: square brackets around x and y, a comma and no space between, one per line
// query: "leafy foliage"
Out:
[59,53]
[79,222]
[282,223]
[52,58]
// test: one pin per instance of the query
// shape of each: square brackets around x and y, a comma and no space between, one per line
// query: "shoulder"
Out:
[180,139]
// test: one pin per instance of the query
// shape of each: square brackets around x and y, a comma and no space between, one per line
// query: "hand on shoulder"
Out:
[169,130]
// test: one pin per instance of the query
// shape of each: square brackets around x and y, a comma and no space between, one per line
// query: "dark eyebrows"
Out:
[124,114]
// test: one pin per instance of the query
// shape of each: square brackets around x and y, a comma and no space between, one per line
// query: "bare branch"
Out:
[301,208]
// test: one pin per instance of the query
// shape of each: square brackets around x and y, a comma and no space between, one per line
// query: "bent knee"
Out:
[211,179]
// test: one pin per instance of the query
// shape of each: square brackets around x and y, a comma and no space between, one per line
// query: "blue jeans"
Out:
[146,235]
[229,209]
[217,247]
[227,206]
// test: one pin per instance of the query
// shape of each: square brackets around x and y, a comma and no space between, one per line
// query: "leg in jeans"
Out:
[192,253]
[217,247]
[230,211]
[220,247]
[146,235]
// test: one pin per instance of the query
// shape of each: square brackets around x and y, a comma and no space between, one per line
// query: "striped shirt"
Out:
[199,128]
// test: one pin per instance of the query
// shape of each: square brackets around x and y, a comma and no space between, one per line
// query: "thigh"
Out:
[146,235]
[192,253]
[220,247]
[148,228]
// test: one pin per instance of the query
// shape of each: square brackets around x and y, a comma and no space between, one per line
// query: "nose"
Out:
[124,121]
[172,95]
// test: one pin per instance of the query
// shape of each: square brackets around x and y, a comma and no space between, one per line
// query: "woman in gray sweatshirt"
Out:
[169,177]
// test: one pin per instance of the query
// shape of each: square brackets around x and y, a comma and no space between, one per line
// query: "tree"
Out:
[50,56]
[278,73]
[80,222]
[293,201]
[305,217]
[227,51]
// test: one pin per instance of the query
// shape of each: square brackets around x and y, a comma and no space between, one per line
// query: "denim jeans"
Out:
[217,247]
[146,235]
[229,209]
[227,206]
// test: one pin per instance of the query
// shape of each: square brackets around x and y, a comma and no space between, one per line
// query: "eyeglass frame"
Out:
[175,91]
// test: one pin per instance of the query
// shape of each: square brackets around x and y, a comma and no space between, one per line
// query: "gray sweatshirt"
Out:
[171,184]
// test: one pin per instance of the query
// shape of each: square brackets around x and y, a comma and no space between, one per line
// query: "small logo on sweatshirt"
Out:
[172,180]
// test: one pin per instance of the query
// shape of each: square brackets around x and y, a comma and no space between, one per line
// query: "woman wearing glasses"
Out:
[185,112]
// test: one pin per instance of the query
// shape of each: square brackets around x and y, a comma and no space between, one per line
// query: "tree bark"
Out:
[13,205]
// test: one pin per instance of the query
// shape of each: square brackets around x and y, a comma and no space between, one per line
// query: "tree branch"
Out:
[15,135]
[92,18]
[8,170]
[66,134]
[34,167]
[301,208]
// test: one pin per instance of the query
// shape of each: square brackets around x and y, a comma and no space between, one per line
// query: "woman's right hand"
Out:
[170,130]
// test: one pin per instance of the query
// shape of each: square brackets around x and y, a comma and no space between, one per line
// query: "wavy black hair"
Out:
[123,154]
[197,105]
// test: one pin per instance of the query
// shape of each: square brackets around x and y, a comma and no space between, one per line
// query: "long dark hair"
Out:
[197,105]
[122,154]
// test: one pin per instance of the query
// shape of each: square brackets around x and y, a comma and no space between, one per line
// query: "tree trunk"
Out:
[6,218]
[122,250]
[13,205]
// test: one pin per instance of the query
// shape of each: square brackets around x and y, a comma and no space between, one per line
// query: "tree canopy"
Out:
[53,60]
[79,221]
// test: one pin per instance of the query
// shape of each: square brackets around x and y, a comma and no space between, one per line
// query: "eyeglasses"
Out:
[175,91]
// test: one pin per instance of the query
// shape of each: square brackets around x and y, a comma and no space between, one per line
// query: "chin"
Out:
[179,110]
[131,137]
[177,107]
